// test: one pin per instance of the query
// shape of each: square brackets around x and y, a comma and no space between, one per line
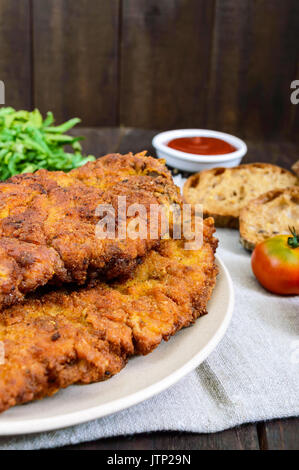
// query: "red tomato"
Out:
[275,263]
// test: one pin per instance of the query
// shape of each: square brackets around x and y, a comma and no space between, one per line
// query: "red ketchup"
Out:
[202,145]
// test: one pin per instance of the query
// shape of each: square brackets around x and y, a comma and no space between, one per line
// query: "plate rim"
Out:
[100,411]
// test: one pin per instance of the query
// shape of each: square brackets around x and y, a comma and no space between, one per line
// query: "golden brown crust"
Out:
[270,214]
[223,192]
[82,336]
[48,222]
[246,244]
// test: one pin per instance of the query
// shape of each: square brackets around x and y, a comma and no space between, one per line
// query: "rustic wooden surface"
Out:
[249,91]
[125,139]
[165,62]
[75,58]
[15,52]
[222,64]
[276,435]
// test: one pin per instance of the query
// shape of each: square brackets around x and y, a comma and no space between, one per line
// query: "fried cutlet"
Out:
[48,222]
[67,337]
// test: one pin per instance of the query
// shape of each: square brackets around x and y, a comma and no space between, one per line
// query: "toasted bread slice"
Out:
[224,192]
[270,214]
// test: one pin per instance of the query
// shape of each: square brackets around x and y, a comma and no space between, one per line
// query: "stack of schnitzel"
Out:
[48,221]
[102,300]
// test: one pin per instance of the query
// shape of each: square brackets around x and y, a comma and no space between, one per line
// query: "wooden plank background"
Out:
[155,64]
[75,59]
[15,52]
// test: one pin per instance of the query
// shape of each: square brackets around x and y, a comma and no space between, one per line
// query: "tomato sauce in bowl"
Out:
[201,145]
[199,149]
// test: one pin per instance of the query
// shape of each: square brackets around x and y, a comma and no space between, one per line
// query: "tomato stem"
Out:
[293,241]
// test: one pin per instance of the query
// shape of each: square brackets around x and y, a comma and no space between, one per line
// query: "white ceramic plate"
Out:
[142,378]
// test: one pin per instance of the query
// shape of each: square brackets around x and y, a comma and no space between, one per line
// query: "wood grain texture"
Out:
[15,52]
[136,140]
[280,153]
[254,59]
[99,142]
[75,47]
[165,56]
[283,153]
[221,64]
[279,434]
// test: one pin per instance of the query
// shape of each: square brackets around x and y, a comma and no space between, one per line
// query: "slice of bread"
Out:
[224,192]
[270,214]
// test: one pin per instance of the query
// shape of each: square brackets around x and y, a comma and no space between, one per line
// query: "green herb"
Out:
[293,241]
[28,143]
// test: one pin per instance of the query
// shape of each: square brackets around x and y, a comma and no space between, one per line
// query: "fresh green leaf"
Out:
[27,143]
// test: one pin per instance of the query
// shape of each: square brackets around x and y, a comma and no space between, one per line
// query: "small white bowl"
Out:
[193,162]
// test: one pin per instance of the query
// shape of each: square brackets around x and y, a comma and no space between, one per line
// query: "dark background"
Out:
[124,65]
[155,64]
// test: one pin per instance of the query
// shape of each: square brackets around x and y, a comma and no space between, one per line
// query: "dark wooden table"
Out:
[277,434]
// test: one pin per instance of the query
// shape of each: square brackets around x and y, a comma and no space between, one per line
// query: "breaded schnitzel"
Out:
[87,335]
[48,221]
